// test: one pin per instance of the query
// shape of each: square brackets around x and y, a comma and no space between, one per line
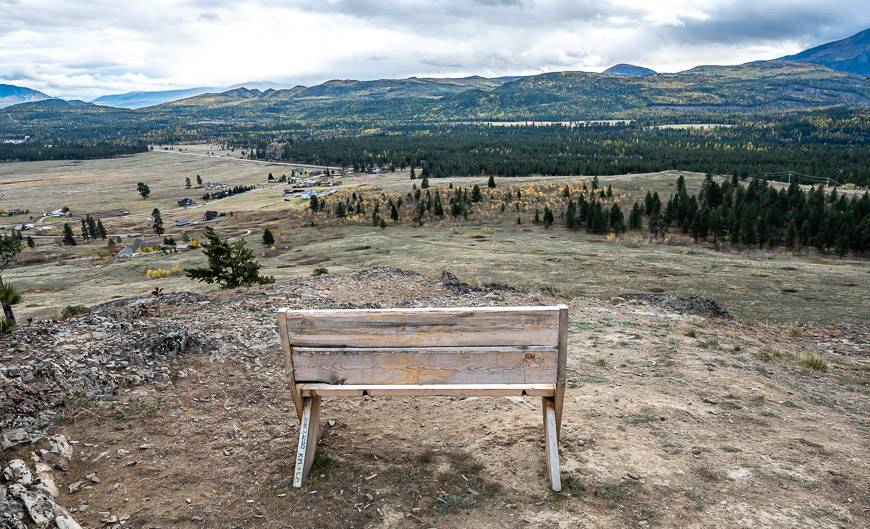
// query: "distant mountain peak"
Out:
[629,70]
[13,95]
[851,55]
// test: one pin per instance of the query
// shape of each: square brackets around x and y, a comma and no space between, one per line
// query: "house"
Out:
[130,251]
[185,202]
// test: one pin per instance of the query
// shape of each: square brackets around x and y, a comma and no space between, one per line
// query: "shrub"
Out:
[6,326]
[159,273]
[74,310]
[814,361]
[320,271]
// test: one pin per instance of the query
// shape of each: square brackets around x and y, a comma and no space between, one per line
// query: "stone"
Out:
[15,437]
[39,506]
[739,473]
[17,471]
[57,444]
[45,479]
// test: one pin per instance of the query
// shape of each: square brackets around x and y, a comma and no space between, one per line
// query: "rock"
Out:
[39,506]
[739,473]
[18,472]
[63,520]
[57,444]
[683,305]
[331,423]
[15,437]
[45,479]
[92,477]
[75,486]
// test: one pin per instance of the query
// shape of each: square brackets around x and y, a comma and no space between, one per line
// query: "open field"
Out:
[754,284]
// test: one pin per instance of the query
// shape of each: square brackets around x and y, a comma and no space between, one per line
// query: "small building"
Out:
[130,251]
[185,202]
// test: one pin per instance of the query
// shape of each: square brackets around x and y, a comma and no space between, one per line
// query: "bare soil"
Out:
[671,420]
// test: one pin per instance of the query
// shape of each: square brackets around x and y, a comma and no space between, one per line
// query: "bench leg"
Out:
[309,431]
[551,439]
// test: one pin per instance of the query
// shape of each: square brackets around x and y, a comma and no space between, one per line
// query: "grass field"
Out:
[754,284]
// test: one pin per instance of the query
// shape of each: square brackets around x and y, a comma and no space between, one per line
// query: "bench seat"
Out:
[428,390]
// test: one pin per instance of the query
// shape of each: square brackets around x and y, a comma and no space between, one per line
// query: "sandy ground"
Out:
[671,420]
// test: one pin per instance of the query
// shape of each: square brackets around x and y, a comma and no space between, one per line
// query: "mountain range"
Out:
[13,95]
[851,55]
[622,92]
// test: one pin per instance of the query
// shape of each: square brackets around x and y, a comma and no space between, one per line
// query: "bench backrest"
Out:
[466,345]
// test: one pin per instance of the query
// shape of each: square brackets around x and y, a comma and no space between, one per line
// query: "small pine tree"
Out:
[230,264]
[491,182]
[143,189]
[268,238]
[187,182]
[68,237]
[413,175]
[548,217]
[394,213]
[475,194]
[537,217]
[314,203]
[92,227]
[438,207]
[157,222]
[425,183]
[85,235]
[199,180]
[101,230]
[30,242]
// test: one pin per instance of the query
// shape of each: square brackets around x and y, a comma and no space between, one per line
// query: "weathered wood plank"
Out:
[309,431]
[482,365]
[551,441]
[429,327]
[433,390]
[562,369]
[288,362]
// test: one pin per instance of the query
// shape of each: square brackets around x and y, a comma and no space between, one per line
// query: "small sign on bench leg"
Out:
[551,440]
[309,431]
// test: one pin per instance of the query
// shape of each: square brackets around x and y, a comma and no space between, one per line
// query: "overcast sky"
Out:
[84,49]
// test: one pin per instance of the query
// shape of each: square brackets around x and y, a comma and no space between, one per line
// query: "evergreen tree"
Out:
[85,235]
[143,189]
[198,180]
[635,218]
[101,230]
[438,207]
[425,183]
[571,215]
[314,203]
[491,182]
[92,227]
[157,222]
[548,217]
[617,220]
[186,182]
[394,213]
[230,264]
[10,246]
[68,237]
[413,175]
[475,194]
[30,242]
[537,217]
[268,237]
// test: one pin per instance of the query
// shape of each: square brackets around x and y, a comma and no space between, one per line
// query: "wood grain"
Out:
[443,365]
[430,327]
[431,390]
[309,431]
[551,442]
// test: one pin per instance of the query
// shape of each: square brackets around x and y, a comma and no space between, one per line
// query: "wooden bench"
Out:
[466,351]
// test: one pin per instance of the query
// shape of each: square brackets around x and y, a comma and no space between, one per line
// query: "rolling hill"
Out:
[14,95]
[851,54]
[146,99]
[629,70]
